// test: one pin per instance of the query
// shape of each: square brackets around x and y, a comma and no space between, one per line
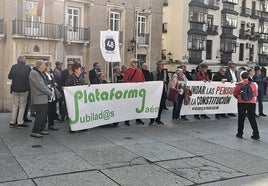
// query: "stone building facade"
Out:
[70,29]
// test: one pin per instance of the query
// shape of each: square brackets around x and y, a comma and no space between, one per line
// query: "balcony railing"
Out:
[38,30]
[143,39]
[264,37]
[212,30]
[244,34]
[246,12]
[254,36]
[255,14]
[76,34]
[1,28]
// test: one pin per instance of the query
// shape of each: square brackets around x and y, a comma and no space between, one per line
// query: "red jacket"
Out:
[201,78]
[129,75]
[237,89]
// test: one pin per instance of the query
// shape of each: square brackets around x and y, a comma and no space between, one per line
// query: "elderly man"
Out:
[39,95]
[232,76]
[220,76]
[20,87]
[93,73]
[134,74]
[160,75]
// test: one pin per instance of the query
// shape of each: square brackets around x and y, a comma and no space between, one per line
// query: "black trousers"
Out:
[40,119]
[51,112]
[248,108]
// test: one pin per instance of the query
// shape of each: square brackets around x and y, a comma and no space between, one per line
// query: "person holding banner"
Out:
[220,76]
[118,76]
[100,79]
[135,75]
[202,75]
[76,78]
[160,75]
[232,76]
[178,85]
[246,107]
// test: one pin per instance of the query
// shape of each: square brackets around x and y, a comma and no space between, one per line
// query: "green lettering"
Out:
[142,94]
[77,96]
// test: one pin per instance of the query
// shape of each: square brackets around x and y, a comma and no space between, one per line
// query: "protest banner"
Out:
[210,98]
[97,105]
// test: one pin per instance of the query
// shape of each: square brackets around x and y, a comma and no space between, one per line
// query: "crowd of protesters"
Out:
[43,88]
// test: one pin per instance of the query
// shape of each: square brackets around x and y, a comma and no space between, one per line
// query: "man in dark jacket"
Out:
[19,74]
[260,79]
[93,74]
[232,77]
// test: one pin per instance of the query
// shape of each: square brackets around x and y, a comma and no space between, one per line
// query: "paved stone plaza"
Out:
[202,152]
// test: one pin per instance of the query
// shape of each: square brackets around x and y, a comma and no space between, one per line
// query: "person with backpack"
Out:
[246,93]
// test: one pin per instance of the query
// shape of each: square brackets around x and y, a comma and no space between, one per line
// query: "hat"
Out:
[39,62]
[203,65]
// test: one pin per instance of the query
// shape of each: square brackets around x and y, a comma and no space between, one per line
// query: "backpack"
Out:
[246,91]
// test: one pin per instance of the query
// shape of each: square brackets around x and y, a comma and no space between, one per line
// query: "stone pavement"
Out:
[202,152]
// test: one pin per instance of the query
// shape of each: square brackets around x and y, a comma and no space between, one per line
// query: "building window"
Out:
[209,49]
[143,36]
[141,58]
[241,52]
[229,20]
[263,49]
[230,1]
[141,24]
[263,27]
[114,21]
[73,19]
[197,14]
[33,21]
[228,45]
[196,42]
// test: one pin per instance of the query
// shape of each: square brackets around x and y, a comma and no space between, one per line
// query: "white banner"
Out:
[96,105]
[109,44]
[210,98]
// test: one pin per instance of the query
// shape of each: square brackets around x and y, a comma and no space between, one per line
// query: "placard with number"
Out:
[109,43]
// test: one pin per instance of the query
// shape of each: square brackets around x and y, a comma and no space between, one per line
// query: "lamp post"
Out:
[132,45]
[169,55]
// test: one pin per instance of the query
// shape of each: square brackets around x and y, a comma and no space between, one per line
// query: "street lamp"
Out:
[132,45]
[169,55]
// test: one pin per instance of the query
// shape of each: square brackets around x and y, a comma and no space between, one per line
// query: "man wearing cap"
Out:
[260,79]
[232,76]
[20,87]
[134,74]
[39,96]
